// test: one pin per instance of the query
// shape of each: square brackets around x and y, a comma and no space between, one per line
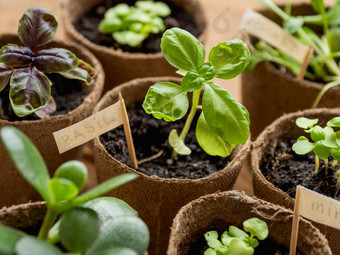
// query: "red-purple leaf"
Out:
[50,108]
[37,27]
[83,72]
[55,60]
[15,56]
[30,91]
[5,74]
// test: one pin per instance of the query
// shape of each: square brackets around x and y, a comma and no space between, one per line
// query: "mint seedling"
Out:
[24,67]
[236,241]
[87,224]
[131,25]
[223,122]
[324,64]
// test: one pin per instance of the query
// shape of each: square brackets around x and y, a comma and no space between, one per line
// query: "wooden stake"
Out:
[128,135]
[305,63]
[295,226]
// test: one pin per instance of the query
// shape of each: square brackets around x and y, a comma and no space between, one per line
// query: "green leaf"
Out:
[125,231]
[212,239]
[335,154]
[335,122]
[182,50]
[317,133]
[62,189]
[8,239]
[318,6]
[118,251]
[30,91]
[333,37]
[236,232]
[293,24]
[226,117]
[79,228]
[226,238]
[337,135]
[27,159]
[157,8]
[230,58]
[332,15]
[210,142]
[84,72]
[239,247]
[207,71]
[108,208]
[109,25]
[222,251]
[73,170]
[177,144]
[305,123]
[5,75]
[30,245]
[166,100]
[210,251]
[321,151]
[252,242]
[191,82]
[256,227]
[330,141]
[130,38]
[328,130]
[302,146]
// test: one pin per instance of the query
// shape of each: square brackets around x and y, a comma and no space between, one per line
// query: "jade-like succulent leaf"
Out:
[166,100]
[62,189]
[210,142]
[79,228]
[37,27]
[118,251]
[47,110]
[302,146]
[5,75]
[15,56]
[29,245]
[256,227]
[182,50]
[305,123]
[73,170]
[224,115]
[230,58]
[191,82]
[8,239]
[177,144]
[55,60]
[84,72]
[30,91]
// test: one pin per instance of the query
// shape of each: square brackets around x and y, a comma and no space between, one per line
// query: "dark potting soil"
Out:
[88,23]
[286,170]
[150,137]
[67,93]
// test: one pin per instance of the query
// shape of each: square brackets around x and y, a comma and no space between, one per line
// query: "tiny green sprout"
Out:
[325,143]
[236,241]
[223,122]
[79,223]
[131,25]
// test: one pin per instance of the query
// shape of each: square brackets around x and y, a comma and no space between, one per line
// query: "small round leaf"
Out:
[118,251]
[302,146]
[191,82]
[305,123]
[239,247]
[321,150]
[29,245]
[73,170]
[256,227]
[177,144]
[317,134]
[62,189]
[335,122]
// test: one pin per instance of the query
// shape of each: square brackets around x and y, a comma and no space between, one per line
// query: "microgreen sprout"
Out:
[23,67]
[81,224]
[223,122]
[325,143]
[131,25]
[324,63]
[236,241]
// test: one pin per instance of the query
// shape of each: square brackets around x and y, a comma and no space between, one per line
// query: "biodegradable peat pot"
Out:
[220,210]
[280,130]
[121,66]
[267,87]
[158,199]
[14,189]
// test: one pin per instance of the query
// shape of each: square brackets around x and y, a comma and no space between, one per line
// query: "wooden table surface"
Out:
[223,19]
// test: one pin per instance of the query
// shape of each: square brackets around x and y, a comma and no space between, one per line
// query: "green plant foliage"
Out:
[86,222]
[223,123]
[131,25]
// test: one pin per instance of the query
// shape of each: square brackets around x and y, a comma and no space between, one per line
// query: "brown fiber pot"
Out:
[268,90]
[281,128]
[157,200]
[220,210]
[122,66]
[14,189]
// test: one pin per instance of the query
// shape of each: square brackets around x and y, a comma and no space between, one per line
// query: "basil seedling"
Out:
[236,241]
[23,67]
[87,224]
[131,25]
[324,64]
[223,122]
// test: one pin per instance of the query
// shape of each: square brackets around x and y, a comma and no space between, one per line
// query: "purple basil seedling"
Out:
[24,67]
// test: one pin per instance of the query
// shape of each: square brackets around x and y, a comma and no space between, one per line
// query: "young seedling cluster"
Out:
[223,122]
[324,64]
[24,67]
[81,224]
[236,241]
[325,143]
[131,25]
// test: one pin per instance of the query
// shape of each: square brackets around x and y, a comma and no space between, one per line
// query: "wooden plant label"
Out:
[316,207]
[263,28]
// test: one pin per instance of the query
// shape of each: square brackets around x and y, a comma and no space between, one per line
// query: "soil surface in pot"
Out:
[150,137]
[67,93]
[286,170]
[88,23]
